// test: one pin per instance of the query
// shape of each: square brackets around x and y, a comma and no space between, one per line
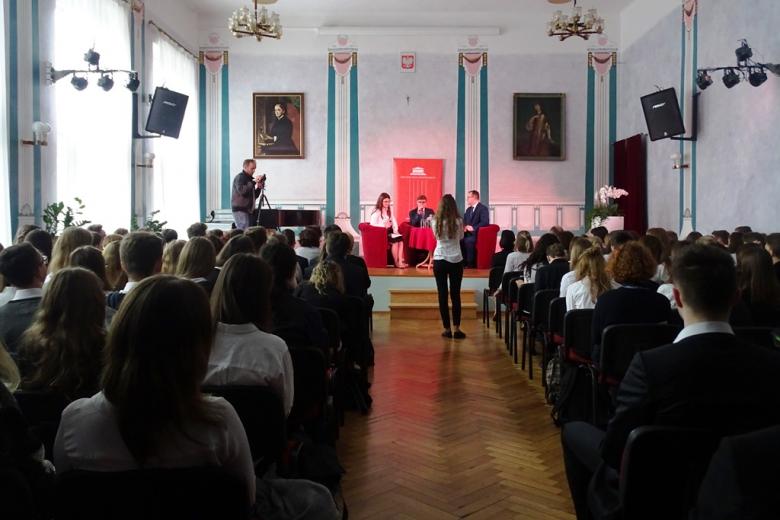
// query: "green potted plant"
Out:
[605,211]
[57,216]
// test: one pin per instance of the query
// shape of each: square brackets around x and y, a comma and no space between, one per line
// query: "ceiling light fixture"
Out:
[565,26]
[260,25]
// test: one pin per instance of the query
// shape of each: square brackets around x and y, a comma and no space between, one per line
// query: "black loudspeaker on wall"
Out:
[662,114]
[167,112]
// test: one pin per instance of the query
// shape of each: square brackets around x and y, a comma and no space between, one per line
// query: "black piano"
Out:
[276,218]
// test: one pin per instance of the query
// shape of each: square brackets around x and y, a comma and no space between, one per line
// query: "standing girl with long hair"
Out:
[382,216]
[448,263]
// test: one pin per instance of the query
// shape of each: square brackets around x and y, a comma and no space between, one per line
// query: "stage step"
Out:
[423,304]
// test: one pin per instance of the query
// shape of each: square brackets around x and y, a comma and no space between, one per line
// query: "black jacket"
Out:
[244,193]
[415,220]
[549,276]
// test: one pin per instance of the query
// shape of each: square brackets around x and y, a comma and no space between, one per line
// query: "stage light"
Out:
[79,83]
[105,82]
[703,80]
[744,52]
[92,57]
[757,76]
[730,78]
[133,82]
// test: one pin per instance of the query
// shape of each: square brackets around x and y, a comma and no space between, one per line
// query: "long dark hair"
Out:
[539,254]
[378,206]
[242,293]
[447,216]
[156,358]
[756,275]
[65,340]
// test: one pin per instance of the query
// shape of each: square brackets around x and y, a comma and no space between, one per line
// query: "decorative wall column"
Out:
[214,176]
[138,180]
[601,120]
[687,91]
[342,197]
[471,156]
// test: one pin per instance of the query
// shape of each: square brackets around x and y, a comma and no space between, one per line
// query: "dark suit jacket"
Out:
[15,318]
[476,217]
[710,381]
[741,481]
[356,279]
[414,217]
[296,321]
[626,305]
[549,276]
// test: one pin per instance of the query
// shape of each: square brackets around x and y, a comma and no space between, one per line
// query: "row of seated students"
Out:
[222,313]
[707,379]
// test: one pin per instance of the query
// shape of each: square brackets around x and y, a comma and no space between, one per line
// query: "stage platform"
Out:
[384,279]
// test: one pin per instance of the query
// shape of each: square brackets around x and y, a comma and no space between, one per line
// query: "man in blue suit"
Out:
[476,216]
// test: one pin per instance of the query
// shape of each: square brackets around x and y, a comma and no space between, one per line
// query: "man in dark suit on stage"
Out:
[476,216]
[707,379]
[420,214]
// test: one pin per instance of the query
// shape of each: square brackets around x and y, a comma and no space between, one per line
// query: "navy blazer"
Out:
[476,217]
[414,217]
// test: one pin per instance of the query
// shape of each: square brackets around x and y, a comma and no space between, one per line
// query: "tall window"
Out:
[93,127]
[175,180]
[5,199]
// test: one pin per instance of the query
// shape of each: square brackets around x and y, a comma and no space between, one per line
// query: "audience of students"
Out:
[115,275]
[309,244]
[591,280]
[90,257]
[243,352]
[549,276]
[507,245]
[171,254]
[70,239]
[140,254]
[197,262]
[22,267]
[578,246]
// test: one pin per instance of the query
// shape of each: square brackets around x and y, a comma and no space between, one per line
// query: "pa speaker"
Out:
[167,112]
[662,114]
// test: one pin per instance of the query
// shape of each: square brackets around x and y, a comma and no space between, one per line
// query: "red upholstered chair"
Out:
[486,245]
[374,244]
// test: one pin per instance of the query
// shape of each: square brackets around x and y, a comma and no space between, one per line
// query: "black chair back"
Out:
[525,298]
[42,410]
[761,336]
[494,278]
[508,288]
[311,386]
[577,324]
[619,343]
[358,339]
[662,469]
[555,319]
[152,494]
[262,413]
[332,324]
[541,308]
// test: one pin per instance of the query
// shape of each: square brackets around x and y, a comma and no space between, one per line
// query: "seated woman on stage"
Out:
[382,216]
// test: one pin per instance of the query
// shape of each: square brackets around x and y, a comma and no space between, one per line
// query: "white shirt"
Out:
[661,274]
[704,327]
[309,253]
[568,279]
[27,294]
[7,295]
[379,220]
[245,355]
[578,295]
[129,286]
[513,261]
[88,438]
[666,290]
[447,248]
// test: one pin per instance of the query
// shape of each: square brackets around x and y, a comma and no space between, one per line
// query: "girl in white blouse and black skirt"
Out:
[448,262]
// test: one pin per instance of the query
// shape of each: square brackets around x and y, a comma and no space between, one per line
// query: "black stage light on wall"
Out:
[133,83]
[105,82]
[730,78]
[744,52]
[92,57]
[703,79]
[79,83]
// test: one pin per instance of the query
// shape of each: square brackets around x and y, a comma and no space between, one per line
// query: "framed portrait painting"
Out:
[277,125]
[539,127]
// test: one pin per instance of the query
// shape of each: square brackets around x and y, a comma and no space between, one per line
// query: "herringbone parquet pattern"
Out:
[456,431]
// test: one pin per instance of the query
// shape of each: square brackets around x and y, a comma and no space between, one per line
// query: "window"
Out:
[175,178]
[5,199]
[93,127]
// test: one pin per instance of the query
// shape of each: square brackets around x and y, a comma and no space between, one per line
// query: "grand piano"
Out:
[276,218]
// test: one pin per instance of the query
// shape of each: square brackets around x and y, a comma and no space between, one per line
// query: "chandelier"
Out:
[565,26]
[244,23]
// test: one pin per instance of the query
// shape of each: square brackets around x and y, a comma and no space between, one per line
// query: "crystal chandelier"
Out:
[244,23]
[565,26]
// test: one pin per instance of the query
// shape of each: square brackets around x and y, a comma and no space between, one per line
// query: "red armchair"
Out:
[486,245]
[374,244]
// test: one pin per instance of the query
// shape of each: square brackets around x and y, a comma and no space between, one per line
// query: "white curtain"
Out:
[5,199]
[175,179]
[93,127]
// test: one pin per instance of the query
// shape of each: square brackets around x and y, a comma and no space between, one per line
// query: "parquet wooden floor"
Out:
[456,431]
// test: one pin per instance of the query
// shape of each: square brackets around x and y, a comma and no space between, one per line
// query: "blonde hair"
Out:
[171,254]
[197,259]
[591,265]
[327,275]
[9,372]
[115,275]
[578,246]
[71,238]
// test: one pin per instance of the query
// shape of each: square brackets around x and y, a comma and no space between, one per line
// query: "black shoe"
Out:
[459,334]
[446,334]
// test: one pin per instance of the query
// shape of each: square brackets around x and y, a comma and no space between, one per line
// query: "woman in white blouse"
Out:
[448,263]
[151,412]
[592,281]
[382,216]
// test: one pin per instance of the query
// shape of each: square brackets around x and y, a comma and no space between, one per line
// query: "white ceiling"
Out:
[316,13]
